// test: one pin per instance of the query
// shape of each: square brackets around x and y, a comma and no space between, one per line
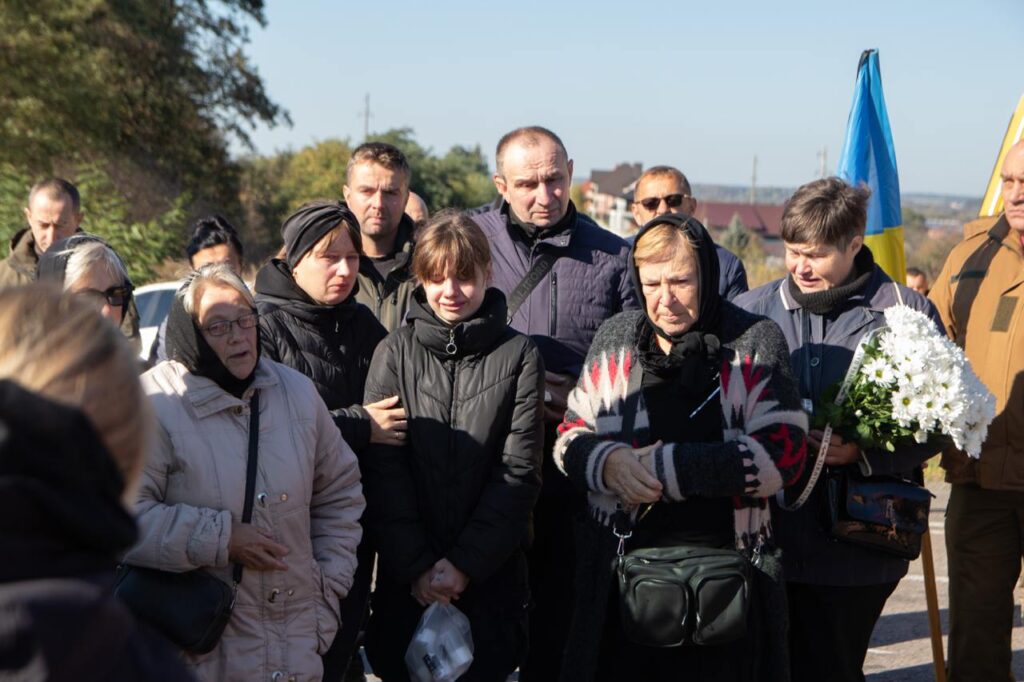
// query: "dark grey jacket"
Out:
[587,285]
[388,297]
[821,349]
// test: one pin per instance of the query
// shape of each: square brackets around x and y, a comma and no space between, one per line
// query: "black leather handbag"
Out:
[191,609]
[682,595]
[886,514]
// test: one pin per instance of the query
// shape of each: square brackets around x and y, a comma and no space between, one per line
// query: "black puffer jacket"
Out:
[465,485]
[332,345]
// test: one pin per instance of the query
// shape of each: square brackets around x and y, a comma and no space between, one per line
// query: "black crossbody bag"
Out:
[191,609]
[684,594]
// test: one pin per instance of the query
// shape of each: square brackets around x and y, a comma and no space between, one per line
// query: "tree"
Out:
[146,95]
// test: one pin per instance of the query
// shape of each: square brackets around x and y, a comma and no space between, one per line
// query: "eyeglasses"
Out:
[116,297]
[672,201]
[224,326]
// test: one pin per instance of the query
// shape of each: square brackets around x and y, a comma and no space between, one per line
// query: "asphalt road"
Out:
[901,645]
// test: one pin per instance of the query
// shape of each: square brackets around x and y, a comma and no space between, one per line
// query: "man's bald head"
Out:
[1012,174]
[528,136]
[416,208]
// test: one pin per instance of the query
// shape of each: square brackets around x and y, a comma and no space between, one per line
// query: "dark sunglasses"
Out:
[672,201]
[224,326]
[116,297]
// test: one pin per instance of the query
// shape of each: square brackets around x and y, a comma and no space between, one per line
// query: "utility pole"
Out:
[753,183]
[365,113]
[823,162]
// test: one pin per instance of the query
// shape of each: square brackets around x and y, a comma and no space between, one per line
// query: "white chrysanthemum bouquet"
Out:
[912,383]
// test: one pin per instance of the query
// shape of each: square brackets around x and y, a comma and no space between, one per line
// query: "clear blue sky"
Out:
[701,85]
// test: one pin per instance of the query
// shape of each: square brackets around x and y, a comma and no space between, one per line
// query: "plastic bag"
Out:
[442,646]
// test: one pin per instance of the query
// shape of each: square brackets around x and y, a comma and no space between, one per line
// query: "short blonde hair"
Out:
[663,243]
[216,275]
[63,350]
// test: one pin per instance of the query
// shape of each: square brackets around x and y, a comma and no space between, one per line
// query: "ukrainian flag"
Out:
[992,204]
[868,157]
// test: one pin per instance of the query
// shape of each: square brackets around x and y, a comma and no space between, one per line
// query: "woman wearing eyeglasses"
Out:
[89,268]
[298,553]
[311,322]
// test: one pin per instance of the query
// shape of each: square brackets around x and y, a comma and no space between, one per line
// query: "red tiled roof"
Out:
[762,218]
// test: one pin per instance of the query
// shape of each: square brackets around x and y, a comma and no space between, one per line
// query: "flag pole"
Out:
[932,597]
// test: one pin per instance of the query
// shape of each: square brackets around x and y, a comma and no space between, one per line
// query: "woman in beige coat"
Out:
[298,552]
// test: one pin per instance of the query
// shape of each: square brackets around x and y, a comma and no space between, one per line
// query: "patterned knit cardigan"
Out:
[764,429]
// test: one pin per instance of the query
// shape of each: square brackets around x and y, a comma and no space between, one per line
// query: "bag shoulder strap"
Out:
[250,468]
[826,436]
[540,268]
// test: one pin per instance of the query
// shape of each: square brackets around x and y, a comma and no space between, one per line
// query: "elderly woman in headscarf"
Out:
[684,421]
[298,551]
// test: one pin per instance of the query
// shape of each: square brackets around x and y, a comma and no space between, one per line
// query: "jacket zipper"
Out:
[554,304]
[450,459]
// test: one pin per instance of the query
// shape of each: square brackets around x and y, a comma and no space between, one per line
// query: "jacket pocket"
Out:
[327,621]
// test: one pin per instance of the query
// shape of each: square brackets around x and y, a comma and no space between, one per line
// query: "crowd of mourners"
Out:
[510,410]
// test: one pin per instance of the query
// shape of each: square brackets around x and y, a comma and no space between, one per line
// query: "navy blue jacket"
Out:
[732,276]
[821,349]
[587,285]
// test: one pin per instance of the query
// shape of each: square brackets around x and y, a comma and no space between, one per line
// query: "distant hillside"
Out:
[931,206]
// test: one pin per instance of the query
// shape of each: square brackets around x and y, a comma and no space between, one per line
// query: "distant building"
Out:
[608,194]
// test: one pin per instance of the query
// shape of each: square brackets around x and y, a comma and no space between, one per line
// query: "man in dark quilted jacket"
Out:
[587,282]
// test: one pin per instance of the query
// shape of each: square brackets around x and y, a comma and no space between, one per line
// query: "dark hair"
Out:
[382,153]
[55,188]
[213,230]
[829,211]
[451,240]
[915,272]
[530,135]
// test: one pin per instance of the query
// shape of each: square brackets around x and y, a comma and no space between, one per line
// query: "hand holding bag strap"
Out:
[826,436]
[250,469]
[545,261]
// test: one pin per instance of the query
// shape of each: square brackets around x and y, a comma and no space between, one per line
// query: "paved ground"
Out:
[901,648]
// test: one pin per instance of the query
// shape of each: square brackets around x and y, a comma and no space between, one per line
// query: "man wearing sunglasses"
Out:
[664,189]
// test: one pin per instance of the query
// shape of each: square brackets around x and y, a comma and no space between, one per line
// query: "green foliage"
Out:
[865,417]
[142,244]
[136,102]
[273,186]
[737,238]
[459,179]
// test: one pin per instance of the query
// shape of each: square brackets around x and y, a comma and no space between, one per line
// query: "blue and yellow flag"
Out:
[868,157]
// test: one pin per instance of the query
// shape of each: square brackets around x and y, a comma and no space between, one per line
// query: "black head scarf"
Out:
[308,225]
[187,345]
[695,352]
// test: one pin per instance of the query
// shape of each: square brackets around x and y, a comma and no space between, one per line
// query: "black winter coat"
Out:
[332,345]
[62,528]
[464,486]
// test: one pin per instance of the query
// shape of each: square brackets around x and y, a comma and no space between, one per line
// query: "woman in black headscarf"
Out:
[685,419]
[311,322]
[298,549]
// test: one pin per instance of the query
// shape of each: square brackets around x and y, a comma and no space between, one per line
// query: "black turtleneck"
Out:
[530,233]
[824,302]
